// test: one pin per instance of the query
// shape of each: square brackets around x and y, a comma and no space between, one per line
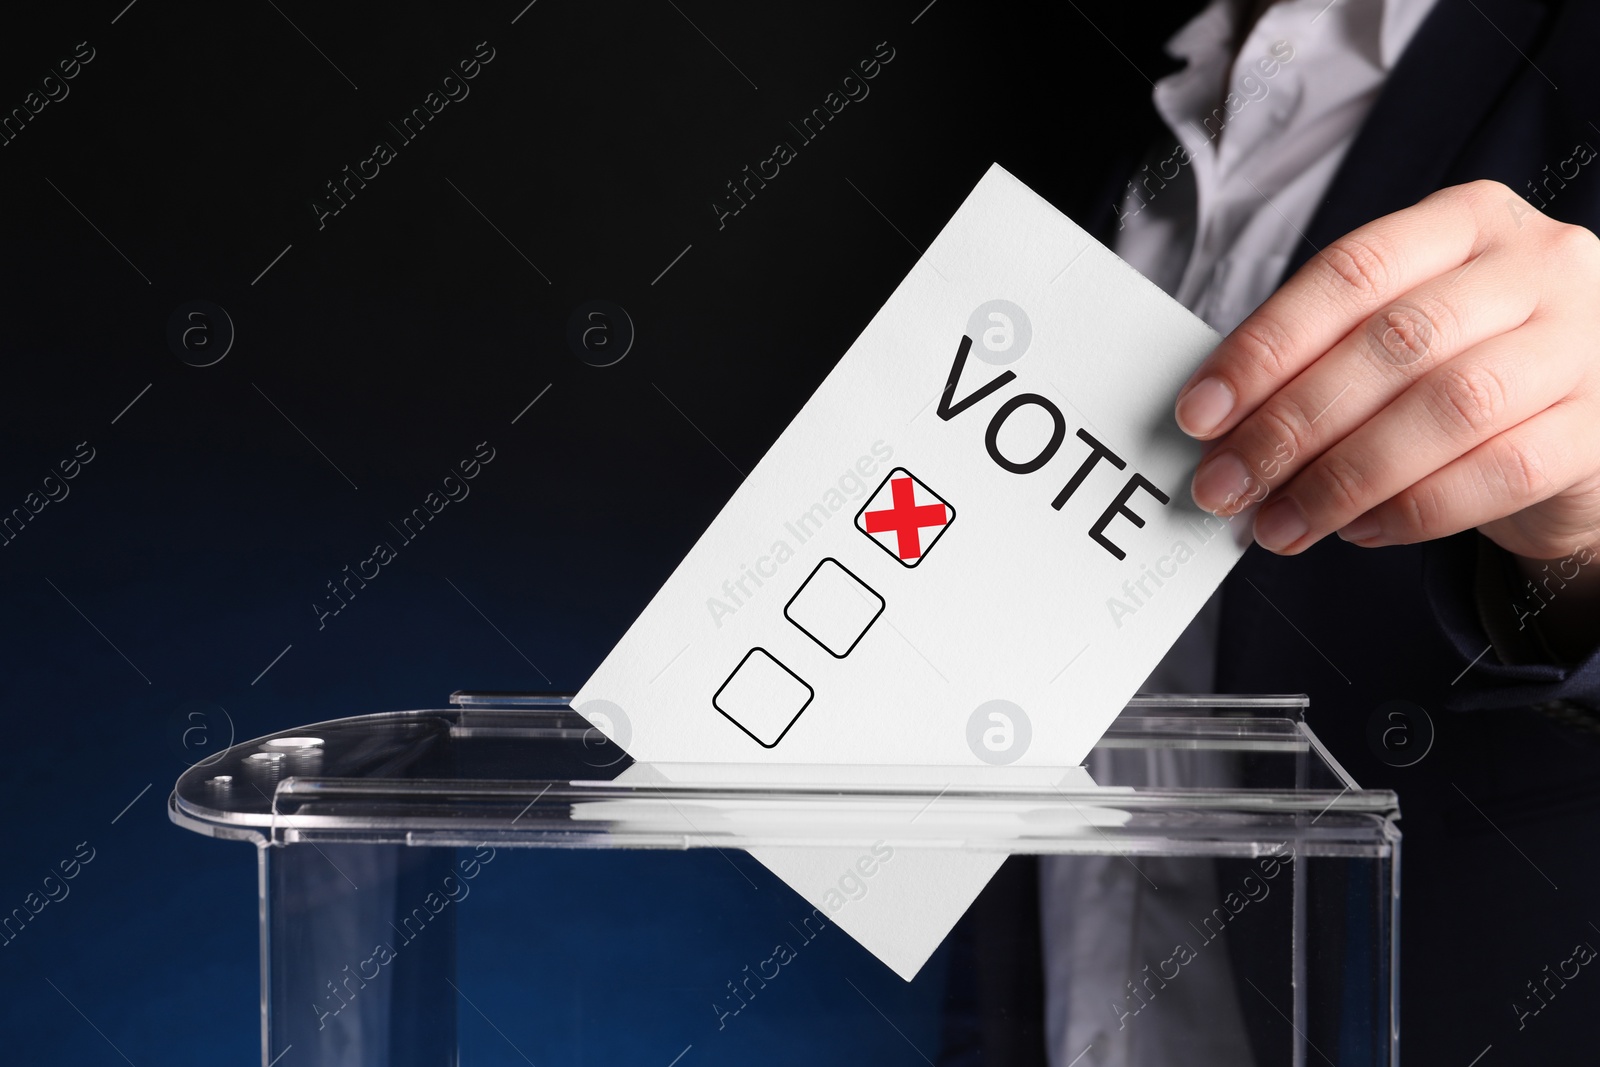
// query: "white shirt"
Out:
[1218,236]
[1213,217]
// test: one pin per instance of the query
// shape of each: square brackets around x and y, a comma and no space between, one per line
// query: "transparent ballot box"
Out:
[490,883]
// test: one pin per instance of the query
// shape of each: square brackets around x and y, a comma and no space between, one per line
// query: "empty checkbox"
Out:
[762,697]
[834,608]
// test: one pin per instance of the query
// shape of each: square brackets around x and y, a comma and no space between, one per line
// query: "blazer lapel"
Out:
[1427,112]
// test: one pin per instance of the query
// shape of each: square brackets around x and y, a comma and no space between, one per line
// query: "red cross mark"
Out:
[906,518]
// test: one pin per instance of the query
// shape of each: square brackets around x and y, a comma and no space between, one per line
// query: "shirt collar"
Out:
[1212,31]
[1206,34]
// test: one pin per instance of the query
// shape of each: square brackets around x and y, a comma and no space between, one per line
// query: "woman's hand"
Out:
[1434,371]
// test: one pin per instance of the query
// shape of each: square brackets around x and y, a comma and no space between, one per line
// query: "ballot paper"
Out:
[916,893]
[967,550]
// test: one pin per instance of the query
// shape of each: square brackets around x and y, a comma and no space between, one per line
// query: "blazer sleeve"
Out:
[1504,660]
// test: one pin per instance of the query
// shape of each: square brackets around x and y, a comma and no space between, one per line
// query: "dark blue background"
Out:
[191,549]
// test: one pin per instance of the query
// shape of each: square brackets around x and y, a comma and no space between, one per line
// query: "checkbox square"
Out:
[905,518]
[834,608]
[762,697]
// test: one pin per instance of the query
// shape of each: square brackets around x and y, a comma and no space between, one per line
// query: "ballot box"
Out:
[472,884]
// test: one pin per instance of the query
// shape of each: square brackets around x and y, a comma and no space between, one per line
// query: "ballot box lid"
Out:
[1218,775]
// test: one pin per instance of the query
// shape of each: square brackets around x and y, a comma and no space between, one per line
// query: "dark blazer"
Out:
[1502,819]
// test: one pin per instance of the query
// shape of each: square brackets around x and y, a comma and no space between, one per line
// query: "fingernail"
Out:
[1203,408]
[1280,525]
[1361,529]
[1221,478]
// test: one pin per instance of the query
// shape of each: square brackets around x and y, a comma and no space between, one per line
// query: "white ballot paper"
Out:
[968,550]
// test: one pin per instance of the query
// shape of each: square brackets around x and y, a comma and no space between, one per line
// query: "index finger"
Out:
[1332,295]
